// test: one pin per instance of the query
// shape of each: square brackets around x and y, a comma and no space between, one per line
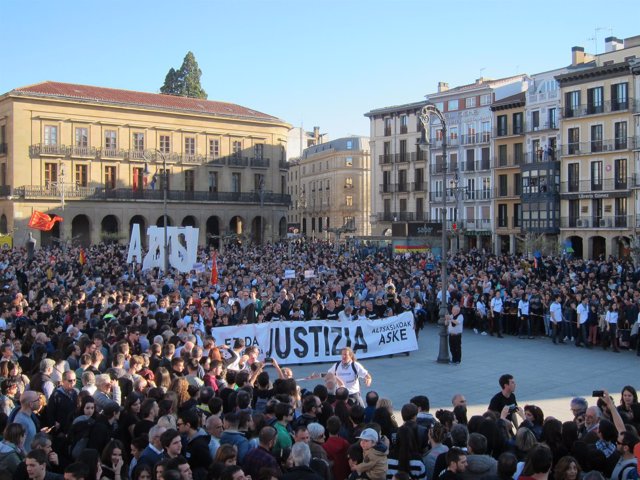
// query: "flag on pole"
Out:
[42,221]
[214,269]
[82,258]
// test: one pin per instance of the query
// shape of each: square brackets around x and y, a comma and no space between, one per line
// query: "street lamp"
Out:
[425,118]
[165,246]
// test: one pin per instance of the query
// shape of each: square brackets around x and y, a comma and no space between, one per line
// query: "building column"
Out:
[497,244]
[512,243]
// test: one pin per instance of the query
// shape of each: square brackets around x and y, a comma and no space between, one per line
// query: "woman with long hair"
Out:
[405,455]
[437,435]
[130,416]
[533,419]
[552,438]
[12,447]
[383,417]
[567,468]
[113,461]
[142,472]
[629,407]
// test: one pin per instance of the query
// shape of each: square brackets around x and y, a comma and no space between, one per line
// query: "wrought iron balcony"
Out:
[234,161]
[214,160]
[542,126]
[479,224]
[477,195]
[542,155]
[600,146]
[282,164]
[598,222]
[102,193]
[112,153]
[609,106]
[396,216]
[419,186]
[508,131]
[475,138]
[509,160]
[476,166]
[601,185]
[42,149]
[508,191]
[451,142]
[256,162]
[82,151]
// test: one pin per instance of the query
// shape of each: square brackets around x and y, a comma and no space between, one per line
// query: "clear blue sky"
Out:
[308,62]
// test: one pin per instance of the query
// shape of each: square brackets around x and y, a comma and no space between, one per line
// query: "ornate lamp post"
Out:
[425,118]
[165,186]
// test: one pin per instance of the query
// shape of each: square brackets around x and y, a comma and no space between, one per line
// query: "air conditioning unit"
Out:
[582,223]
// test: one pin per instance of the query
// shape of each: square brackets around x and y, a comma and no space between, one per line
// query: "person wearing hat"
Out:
[374,462]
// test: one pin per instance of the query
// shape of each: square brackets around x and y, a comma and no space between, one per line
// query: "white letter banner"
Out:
[318,341]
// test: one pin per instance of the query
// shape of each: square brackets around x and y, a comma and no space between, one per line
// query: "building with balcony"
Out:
[468,165]
[508,148]
[399,176]
[330,188]
[97,157]
[598,105]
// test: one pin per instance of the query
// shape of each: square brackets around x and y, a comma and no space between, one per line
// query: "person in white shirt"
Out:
[583,316]
[611,318]
[481,310]
[555,316]
[523,315]
[349,372]
[454,323]
[497,306]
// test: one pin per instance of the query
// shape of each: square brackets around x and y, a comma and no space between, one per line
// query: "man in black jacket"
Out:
[195,445]
[60,408]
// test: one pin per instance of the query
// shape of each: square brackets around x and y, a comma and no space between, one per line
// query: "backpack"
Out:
[623,472]
[79,435]
[353,367]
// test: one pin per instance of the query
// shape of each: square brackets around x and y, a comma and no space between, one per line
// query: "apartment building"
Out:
[598,169]
[468,181]
[399,175]
[330,188]
[508,147]
[102,159]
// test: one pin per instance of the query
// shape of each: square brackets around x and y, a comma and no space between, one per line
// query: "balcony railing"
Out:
[192,158]
[475,195]
[476,166]
[102,193]
[609,106]
[479,224]
[509,130]
[234,161]
[541,155]
[600,146]
[260,162]
[418,186]
[603,185]
[215,160]
[508,223]
[389,158]
[451,142]
[111,153]
[139,155]
[282,164]
[475,138]
[82,151]
[509,191]
[542,127]
[396,216]
[508,160]
[598,221]
[394,187]
[43,149]
[547,225]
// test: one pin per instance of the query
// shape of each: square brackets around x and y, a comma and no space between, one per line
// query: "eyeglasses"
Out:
[179,424]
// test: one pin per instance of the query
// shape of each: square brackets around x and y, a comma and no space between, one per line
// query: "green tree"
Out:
[186,81]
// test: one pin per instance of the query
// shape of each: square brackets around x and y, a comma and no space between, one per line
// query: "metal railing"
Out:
[598,221]
[475,138]
[543,96]
[508,222]
[540,156]
[509,130]
[419,186]
[476,166]
[451,142]
[475,195]
[479,224]
[393,187]
[78,151]
[508,160]
[234,161]
[608,106]
[600,146]
[396,216]
[542,127]
[256,162]
[102,193]
[509,191]
[43,149]
[112,153]
[604,184]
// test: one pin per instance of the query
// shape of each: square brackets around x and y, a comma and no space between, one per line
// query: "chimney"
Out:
[316,135]
[612,44]
[577,56]
[443,87]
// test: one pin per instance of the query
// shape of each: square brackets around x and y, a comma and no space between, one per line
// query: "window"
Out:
[349,161]
[620,173]
[387,127]
[165,143]
[349,222]
[348,182]
[403,151]
[235,182]
[596,138]
[402,180]
[574,177]
[518,153]
[517,215]
[553,118]
[573,137]
[517,184]
[440,106]
[349,200]
[109,178]
[81,175]
[486,131]
[419,177]
[502,125]
[471,189]
[137,179]
[50,135]
[214,148]
[349,144]
[535,120]
[110,139]
[213,182]
[82,137]
[620,212]
[190,146]
[502,215]
[596,175]
[485,99]
[470,102]
[163,179]
[619,96]
[236,149]
[470,160]
[518,123]
[189,180]
[258,182]
[258,151]
[502,155]
[572,103]
[50,174]
[595,101]
[452,105]
[620,133]
[453,133]
[138,141]
[404,125]
[502,185]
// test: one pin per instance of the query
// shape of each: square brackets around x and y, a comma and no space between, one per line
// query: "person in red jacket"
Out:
[336,448]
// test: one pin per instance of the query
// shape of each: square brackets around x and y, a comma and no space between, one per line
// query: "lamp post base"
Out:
[443,352]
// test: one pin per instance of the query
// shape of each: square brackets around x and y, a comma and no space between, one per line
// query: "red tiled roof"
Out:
[129,97]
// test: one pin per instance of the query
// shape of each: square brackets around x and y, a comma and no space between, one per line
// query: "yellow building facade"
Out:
[103,159]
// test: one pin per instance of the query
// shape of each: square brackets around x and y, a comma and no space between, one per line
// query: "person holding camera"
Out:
[454,323]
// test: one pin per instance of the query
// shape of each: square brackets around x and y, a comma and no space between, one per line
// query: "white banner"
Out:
[319,341]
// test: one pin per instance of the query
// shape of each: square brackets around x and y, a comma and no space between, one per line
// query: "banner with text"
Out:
[319,341]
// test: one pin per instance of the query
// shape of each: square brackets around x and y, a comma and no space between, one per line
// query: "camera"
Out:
[597,393]
[268,360]
[513,408]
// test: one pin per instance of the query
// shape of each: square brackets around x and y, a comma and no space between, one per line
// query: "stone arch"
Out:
[109,228]
[189,221]
[81,230]
[213,231]
[258,225]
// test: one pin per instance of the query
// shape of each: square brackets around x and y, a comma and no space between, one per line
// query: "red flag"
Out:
[42,221]
[214,269]
[82,258]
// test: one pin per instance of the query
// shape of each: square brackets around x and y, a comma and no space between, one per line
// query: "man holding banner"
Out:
[349,372]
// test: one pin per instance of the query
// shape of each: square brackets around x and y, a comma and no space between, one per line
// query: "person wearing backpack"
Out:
[626,468]
[349,372]
[11,448]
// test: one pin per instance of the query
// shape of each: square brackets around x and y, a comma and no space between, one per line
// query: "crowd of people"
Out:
[111,372]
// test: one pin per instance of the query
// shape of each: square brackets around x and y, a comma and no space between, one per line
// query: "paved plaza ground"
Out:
[547,375]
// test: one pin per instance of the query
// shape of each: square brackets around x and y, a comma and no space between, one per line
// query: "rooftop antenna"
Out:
[482,70]
[594,39]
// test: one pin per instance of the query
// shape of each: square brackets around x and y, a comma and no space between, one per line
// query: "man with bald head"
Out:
[29,401]
[454,324]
